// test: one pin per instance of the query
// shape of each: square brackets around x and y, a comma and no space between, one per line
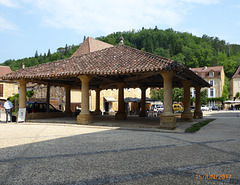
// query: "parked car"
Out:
[159,108]
[215,107]
[177,107]
[40,107]
[204,108]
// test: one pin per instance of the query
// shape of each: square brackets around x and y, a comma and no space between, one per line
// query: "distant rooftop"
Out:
[237,73]
[4,70]
[91,45]
[207,69]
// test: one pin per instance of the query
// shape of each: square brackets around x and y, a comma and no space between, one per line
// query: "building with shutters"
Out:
[215,76]
[235,84]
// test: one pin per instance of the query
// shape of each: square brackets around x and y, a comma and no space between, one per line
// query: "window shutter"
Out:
[1,90]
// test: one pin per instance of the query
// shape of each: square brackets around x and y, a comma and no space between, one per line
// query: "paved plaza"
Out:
[65,153]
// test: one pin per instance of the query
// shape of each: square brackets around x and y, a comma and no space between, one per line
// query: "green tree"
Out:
[178,94]
[157,94]
[36,54]
[204,97]
[237,96]
[48,53]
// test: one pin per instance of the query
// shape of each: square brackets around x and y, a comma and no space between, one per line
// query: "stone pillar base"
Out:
[168,122]
[121,116]
[97,112]
[143,114]
[187,117]
[84,119]
[198,115]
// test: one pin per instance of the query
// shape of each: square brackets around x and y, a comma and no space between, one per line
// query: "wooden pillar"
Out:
[121,114]
[97,110]
[143,112]
[187,115]
[85,117]
[167,120]
[48,98]
[197,112]
[68,100]
[22,93]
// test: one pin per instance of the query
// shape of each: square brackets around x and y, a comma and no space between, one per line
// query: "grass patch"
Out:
[197,126]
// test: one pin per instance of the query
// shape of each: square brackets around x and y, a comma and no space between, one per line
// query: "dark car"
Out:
[40,107]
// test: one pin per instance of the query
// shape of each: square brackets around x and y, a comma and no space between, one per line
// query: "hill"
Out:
[183,47]
[190,50]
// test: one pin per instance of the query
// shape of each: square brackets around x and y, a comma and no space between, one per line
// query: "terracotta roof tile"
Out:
[4,70]
[118,59]
[237,73]
[90,45]
[113,60]
[203,72]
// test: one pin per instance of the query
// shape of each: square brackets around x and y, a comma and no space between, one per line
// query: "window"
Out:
[211,73]
[211,93]
[1,90]
[212,83]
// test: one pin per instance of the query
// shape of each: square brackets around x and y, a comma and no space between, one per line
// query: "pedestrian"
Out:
[8,107]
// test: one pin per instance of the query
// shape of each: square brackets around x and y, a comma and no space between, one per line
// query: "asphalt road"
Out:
[37,153]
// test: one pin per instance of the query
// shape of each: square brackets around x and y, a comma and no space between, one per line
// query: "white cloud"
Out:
[9,3]
[6,26]
[203,1]
[108,15]
[112,15]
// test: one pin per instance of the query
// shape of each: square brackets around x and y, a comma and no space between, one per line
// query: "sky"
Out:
[27,26]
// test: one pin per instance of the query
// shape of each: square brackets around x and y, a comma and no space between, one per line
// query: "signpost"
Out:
[21,115]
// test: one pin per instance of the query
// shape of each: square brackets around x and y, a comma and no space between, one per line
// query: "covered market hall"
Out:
[115,67]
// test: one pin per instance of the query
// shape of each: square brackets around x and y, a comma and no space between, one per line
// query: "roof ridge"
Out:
[88,42]
[235,73]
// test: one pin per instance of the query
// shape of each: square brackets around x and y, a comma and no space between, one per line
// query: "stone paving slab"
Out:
[50,153]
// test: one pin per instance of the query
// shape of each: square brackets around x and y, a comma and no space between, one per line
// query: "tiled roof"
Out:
[117,60]
[207,69]
[114,60]
[237,73]
[203,72]
[90,45]
[4,70]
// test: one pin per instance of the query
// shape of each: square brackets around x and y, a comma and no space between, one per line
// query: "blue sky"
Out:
[30,25]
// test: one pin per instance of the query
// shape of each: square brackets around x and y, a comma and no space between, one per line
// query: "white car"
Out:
[159,108]
[204,108]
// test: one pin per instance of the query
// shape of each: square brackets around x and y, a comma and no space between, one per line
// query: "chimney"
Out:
[121,41]
[22,65]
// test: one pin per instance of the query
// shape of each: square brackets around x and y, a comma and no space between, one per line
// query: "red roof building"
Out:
[213,75]
[235,83]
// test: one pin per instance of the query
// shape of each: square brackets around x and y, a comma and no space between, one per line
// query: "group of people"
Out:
[8,108]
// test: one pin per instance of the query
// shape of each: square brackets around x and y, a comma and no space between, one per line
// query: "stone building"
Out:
[7,88]
[216,77]
[235,83]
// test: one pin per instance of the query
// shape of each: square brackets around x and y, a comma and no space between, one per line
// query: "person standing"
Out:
[8,107]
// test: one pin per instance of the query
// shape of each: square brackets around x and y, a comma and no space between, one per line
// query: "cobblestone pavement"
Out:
[51,153]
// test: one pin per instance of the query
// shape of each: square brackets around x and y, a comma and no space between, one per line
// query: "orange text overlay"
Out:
[211,177]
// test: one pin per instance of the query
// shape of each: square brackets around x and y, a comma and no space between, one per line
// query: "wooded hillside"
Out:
[183,47]
[192,51]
